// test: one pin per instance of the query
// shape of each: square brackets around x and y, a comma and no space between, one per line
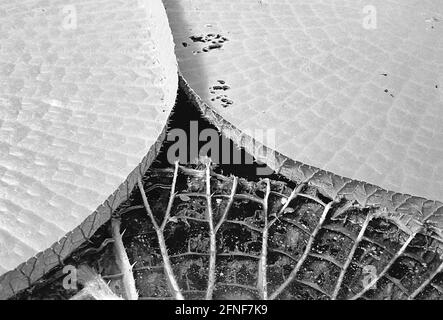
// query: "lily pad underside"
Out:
[208,231]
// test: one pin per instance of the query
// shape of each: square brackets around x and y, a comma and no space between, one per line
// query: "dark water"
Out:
[231,159]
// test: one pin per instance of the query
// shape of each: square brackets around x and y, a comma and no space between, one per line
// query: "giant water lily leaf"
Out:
[198,232]
[85,91]
[351,87]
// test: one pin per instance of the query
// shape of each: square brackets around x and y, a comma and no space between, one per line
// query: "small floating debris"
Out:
[197,39]
[224,88]
[223,98]
[215,46]
[216,42]
[227,101]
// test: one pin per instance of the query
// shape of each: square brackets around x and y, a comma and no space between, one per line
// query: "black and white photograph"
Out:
[227,150]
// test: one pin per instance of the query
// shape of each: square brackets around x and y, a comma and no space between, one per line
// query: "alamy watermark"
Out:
[189,147]
[70,20]
[71,278]
[370,17]
[369,275]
